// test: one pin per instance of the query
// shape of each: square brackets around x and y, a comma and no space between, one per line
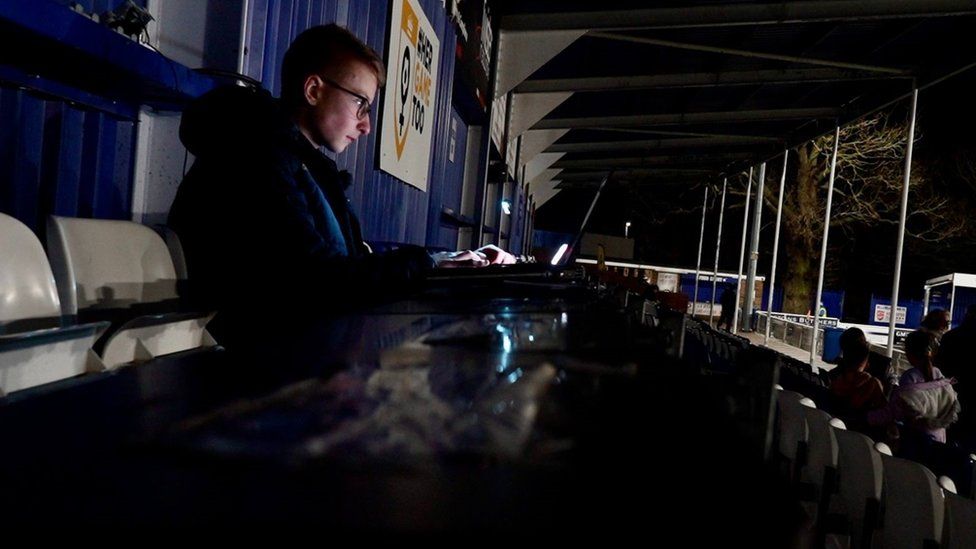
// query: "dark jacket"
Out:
[957,351]
[263,218]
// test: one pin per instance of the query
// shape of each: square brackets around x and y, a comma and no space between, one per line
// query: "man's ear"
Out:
[312,89]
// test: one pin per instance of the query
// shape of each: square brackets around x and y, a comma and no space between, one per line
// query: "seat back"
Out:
[176,253]
[755,398]
[26,282]
[959,526]
[913,504]
[791,426]
[822,450]
[102,263]
[860,479]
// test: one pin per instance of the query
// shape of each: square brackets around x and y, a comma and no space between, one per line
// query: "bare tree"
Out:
[867,192]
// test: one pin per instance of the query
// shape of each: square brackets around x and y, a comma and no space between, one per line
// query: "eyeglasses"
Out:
[363,108]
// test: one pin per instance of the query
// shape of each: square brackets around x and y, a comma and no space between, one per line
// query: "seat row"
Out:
[712,349]
[855,490]
[103,296]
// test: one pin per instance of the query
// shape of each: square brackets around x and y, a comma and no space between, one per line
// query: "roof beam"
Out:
[697,80]
[579,179]
[648,144]
[749,54]
[641,120]
[670,162]
[674,133]
[522,53]
[729,15]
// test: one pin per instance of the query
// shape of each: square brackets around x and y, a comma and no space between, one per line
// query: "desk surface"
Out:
[544,416]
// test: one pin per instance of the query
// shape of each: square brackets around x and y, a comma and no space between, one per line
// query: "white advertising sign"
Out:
[882,314]
[667,282]
[409,99]
[702,308]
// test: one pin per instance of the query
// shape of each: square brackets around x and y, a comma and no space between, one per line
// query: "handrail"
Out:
[795,334]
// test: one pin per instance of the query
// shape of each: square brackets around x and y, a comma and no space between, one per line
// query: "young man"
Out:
[262,214]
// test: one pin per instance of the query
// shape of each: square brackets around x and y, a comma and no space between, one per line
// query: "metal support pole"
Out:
[718,246]
[823,252]
[742,256]
[754,249]
[513,203]
[952,302]
[503,184]
[481,195]
[701,240]
[901,226]
[772,270]
[242,46]
[526,239]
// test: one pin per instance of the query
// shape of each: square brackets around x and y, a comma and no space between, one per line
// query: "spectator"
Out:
[729,303]
[855,391]
[936,322]
[954,358]
[924,402]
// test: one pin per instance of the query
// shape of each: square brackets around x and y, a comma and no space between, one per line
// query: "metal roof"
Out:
[692,91]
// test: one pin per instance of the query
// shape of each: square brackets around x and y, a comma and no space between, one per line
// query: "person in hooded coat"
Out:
[262,214]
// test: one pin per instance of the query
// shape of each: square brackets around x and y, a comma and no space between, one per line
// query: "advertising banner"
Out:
[409,100]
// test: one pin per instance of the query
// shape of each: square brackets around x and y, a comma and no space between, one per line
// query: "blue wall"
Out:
[913,312]
[99,6]
[448,193]
[61,159]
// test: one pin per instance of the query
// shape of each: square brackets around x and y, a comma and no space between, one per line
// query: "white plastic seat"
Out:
[791,430]
[112,264]
[175,247]
[959,525]
[107,263]
[820,469]
[821,446]
[860,478]
[34,349]
[26,281]
[913,505]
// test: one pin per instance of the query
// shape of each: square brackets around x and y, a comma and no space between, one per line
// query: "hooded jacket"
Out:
[927,407]
[263,218]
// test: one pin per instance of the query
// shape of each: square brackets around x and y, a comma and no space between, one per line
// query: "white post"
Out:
[718,246]
[742,255]
[701,239]
[823,253]
[754,250]
[772,270]
[901,226]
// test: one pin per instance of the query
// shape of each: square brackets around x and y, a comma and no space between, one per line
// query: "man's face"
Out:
[334,102]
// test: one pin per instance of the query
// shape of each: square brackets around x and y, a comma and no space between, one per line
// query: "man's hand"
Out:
[466,258]
[496,255]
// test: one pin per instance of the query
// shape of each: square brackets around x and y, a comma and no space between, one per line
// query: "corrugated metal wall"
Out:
[389,209]
[56,158]
[98,6]
[448,193]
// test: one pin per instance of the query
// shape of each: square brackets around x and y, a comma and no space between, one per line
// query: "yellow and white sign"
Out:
[409,101]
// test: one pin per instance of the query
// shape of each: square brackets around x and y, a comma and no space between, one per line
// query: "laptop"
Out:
[528,269]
